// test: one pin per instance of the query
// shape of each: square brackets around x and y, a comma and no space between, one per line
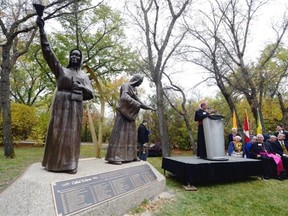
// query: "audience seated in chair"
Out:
[247,147]
[235,147]
[280,147]
[232,135]
[271,163]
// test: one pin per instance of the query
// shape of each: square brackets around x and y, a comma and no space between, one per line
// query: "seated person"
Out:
[247,147]
[270,161]
[272,139]
[232,135]
[235,147]
[280,147]
[280,130]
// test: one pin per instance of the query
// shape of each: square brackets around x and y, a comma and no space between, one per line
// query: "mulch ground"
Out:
[177,151]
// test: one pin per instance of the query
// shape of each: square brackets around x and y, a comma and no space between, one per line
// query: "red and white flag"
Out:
[246,128]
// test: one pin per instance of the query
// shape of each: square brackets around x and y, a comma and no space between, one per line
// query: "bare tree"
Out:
[238,25]
[183,111]
[230,32]
[212,56]
[159,21]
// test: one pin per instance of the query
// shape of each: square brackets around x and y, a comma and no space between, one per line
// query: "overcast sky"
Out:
[261,33]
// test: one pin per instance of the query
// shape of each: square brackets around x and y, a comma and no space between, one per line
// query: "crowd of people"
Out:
[271,149]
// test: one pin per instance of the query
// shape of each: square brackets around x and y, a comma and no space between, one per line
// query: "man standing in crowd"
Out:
[143,139]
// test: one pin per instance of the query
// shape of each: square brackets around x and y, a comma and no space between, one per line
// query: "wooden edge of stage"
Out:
[190,187]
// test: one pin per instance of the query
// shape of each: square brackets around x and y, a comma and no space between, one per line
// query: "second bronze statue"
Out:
[123,140]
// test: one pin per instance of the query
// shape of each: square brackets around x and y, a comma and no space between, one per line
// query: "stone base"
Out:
[31,194]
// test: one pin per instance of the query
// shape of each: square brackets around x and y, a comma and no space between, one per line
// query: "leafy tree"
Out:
[275,75]
[29,82]
[99,33]
[177,130]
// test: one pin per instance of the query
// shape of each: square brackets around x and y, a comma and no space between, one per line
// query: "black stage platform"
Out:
[193,170]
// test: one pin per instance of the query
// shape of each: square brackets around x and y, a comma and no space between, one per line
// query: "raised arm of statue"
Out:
[48,54]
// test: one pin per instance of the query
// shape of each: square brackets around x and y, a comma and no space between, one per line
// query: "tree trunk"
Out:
[162,121]
[193,144]
[93,133]
[100,128]
[5,103]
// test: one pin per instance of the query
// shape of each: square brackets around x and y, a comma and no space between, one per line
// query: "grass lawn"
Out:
[250,197]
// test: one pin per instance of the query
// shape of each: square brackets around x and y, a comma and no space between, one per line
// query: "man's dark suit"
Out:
[279,150]
[268,166]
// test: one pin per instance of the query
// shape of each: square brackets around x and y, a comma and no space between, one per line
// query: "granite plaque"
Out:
[75,195]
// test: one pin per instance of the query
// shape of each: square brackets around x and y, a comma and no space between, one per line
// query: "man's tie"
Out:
[285,151]
[282,144]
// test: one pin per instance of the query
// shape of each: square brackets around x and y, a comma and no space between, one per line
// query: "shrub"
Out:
[39,131]
[24,118]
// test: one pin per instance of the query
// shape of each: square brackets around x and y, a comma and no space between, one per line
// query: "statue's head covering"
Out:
[81,58]
[135,79]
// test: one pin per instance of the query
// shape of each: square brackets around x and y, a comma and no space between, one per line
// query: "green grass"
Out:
[11,168]
[243,198]
[251,197]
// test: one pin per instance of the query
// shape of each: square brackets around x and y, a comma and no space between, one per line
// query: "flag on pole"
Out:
[259,126]
[246,128]
[234,122]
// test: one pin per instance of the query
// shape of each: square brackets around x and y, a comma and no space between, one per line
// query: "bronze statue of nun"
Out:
[123,140]
[62,148]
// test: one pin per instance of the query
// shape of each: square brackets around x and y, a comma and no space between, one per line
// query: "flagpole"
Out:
[234,121]
[246,127]
[259,126]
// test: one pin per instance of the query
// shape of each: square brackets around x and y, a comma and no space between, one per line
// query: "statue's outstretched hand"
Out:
[40,22]
[151,108]
[143,106]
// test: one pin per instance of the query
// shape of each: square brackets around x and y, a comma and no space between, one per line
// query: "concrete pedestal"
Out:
[31,194]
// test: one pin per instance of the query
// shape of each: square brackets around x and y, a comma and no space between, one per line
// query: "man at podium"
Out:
[200,114]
